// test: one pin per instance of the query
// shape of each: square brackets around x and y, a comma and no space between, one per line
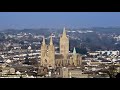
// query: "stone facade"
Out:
[64,58]
[64,44]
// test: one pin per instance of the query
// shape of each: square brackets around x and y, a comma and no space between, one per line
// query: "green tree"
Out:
[81,50]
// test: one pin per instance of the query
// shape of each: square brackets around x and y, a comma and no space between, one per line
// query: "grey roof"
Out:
[69,55]
[1,59]
[117,61]
[59,56]
[105,60]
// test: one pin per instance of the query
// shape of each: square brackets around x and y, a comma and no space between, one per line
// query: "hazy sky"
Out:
[22,20]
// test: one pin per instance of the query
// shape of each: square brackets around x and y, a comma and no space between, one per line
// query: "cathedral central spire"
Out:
[64,44]
[43,43]
[64,32]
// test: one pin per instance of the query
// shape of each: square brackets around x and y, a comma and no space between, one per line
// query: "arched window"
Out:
[45,60]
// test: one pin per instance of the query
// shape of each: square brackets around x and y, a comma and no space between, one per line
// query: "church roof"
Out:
[59,56]
[69,55]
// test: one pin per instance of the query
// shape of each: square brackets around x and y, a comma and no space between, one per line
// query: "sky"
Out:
[21,20]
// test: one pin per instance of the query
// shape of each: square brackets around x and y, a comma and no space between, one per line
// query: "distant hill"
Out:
[107,30]
[42,31]
[38,31]
[99,39]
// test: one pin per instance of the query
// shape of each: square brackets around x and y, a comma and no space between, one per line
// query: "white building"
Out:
[109,52]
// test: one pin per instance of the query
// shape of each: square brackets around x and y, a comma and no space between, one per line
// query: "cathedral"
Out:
[63,58]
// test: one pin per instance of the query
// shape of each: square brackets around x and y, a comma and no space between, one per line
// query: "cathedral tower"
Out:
[51,53]
[43,52]
[64,44]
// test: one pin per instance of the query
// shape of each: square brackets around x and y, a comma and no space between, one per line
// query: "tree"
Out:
[112,71]
[81,50]
[88,40]
[27,60]
[118,75]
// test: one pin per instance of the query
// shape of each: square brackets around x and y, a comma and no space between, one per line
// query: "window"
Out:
[45,60]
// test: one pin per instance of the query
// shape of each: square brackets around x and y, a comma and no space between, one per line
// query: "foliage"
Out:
[81,50]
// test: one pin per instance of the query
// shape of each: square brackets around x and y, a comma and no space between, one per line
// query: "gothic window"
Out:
[45,60]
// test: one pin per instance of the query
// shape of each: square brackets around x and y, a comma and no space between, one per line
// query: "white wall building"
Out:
[109,52]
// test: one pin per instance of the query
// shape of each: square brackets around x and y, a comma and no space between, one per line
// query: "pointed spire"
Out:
[74,51]
[51,41]
[43,43]
[64,32]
